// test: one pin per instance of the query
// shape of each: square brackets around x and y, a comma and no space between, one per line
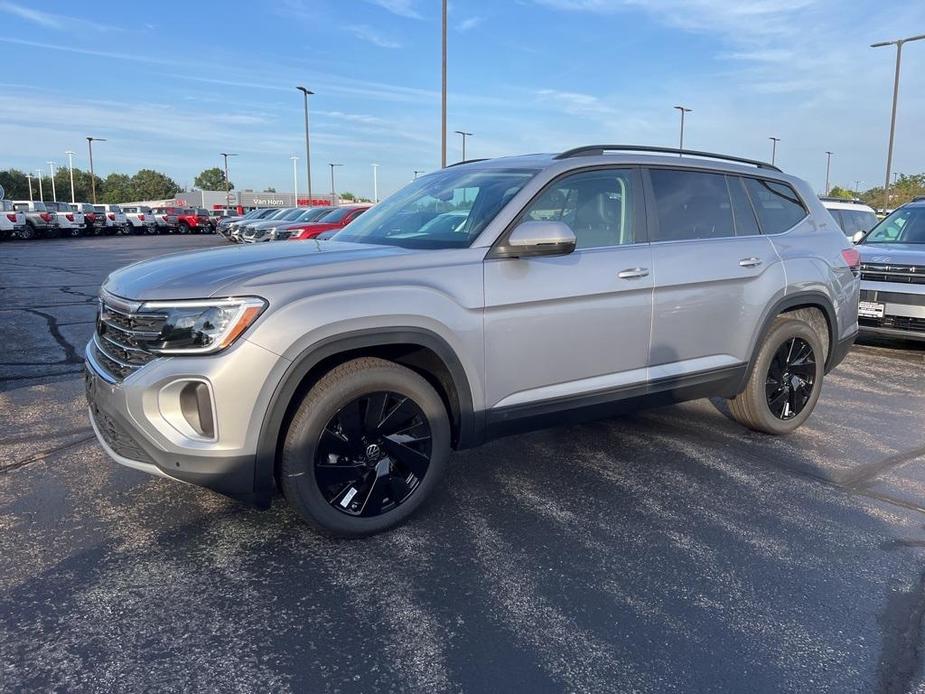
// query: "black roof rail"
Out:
[465,161]
[596,150]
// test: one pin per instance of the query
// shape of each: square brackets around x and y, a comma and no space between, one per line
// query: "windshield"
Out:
[292,214]
[402,219]
[312,214]
[336,215]
[905,225]
[853,221]
[115,208]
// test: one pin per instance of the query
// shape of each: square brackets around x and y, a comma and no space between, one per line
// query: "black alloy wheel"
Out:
[373,454]
[791,378]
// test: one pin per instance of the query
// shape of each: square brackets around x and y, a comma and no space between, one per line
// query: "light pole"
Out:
[443,98]
[828,166]
[464,136]
[333,188]
[54,193]
[416,172]
[683,110]
[889,152]
[375,182]
[70,166]
[29,178]
[225,156]
[774,141]
[308,152]
[295,178]
[41,193]
[857,186]
[90,141]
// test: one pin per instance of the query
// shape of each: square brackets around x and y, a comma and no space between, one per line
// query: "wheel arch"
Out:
[420,349]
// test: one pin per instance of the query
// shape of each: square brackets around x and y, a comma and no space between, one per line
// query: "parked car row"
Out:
[290,223]
[32,219]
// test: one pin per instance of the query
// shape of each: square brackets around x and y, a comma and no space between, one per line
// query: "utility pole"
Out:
[683,110]
[90,141]
[375,183]
[70,166]
[225,155]
[41,192]
[333,188]
[828,166]
[29,178]
[54,193]
[443,98]
[464,136]
[774,141]
[308,150]
[295,179]
[889,152]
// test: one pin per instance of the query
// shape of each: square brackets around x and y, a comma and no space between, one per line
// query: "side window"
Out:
[777,205]
[691,205]
[742,211]
[22,206]
[597,205]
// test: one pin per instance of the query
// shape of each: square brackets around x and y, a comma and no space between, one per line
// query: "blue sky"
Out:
[172,84]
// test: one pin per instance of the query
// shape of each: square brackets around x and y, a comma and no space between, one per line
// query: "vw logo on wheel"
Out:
[373,452]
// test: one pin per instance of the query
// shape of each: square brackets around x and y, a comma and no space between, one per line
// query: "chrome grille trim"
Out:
[893,272]
[119,355]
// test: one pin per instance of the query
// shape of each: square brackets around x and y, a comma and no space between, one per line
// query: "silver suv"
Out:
[578,285]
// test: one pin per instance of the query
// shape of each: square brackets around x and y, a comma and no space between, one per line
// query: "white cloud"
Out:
[50,20]
[575,103]
[469,23]
[403,8]
[370,35]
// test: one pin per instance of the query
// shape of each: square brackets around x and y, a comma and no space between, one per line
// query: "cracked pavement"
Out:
[666,551]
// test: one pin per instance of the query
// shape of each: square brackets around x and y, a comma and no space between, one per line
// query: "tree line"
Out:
[903,190]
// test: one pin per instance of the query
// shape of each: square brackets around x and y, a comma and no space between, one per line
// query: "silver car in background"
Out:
[561,287]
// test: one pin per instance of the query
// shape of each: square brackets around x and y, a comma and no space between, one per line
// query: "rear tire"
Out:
[183,228]
[785,380]
[28,232]
[365,448]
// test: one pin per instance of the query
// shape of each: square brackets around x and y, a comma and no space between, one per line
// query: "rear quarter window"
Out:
[777,205]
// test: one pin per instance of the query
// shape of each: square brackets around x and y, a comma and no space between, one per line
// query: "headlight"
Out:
[199,327]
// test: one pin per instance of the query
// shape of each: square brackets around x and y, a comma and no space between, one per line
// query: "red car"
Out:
[335,220]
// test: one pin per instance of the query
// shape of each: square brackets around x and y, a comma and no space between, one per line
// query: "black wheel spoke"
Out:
[791,378]
[414,460]
[373,454]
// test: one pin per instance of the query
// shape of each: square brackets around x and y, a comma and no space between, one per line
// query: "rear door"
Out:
[568,329]
[714,273]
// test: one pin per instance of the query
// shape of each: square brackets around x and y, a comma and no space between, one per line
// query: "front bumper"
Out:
[136,421]
[903,310]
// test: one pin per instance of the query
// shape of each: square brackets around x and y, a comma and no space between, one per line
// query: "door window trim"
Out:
[640,209]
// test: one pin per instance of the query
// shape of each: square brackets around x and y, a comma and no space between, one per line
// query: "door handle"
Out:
[750,262]
[633,273]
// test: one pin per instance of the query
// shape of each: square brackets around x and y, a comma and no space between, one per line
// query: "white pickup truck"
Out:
[70,222]
[12,221]
[140,219]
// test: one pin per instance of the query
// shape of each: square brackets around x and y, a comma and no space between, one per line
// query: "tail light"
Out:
[46,216]
[852,258]
[11,217]
[70,216]
[141,218]
[90,217]
[112,216]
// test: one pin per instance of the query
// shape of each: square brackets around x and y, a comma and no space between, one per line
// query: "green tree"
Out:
[838,192]
[271,189]
[212,179]
[15,184]
[153,185]
[117,188]
[348,196]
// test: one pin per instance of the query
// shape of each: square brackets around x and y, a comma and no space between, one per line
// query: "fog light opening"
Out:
[196,407]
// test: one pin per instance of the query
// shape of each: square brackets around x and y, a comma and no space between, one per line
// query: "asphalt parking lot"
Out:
[667,551]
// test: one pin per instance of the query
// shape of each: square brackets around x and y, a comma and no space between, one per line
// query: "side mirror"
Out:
[532,239]
[858,235]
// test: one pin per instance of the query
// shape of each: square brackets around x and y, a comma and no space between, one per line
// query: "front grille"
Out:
[894,323]
[118,342]
[119,440]
[901,274]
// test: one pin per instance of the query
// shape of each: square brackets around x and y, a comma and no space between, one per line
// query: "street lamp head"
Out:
[96,139]
[305,91]
[684,109]
[227,154]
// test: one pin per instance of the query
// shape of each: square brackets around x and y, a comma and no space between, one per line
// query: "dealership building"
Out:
[245,199]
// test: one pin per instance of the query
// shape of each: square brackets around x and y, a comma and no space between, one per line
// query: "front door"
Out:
[570,327]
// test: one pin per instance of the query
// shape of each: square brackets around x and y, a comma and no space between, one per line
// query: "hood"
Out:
[236,269]
[892,253]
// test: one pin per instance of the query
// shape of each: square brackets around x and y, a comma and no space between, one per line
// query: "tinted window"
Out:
[905,225]
[742,211]
[99,208]
[129,209]
[777,205]
[853,221]
[597,205]
[115,208]
[22,206]
[691,205]
[6,205]
[337,215]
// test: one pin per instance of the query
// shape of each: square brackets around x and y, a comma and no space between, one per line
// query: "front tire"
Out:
[184,228]
[785,381]
[366,446]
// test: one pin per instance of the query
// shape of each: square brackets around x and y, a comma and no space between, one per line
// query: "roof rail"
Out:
[465,161]
[834,198]
[596,150]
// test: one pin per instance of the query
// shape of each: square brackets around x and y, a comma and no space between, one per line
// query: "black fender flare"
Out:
[471,426]
[812,298]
